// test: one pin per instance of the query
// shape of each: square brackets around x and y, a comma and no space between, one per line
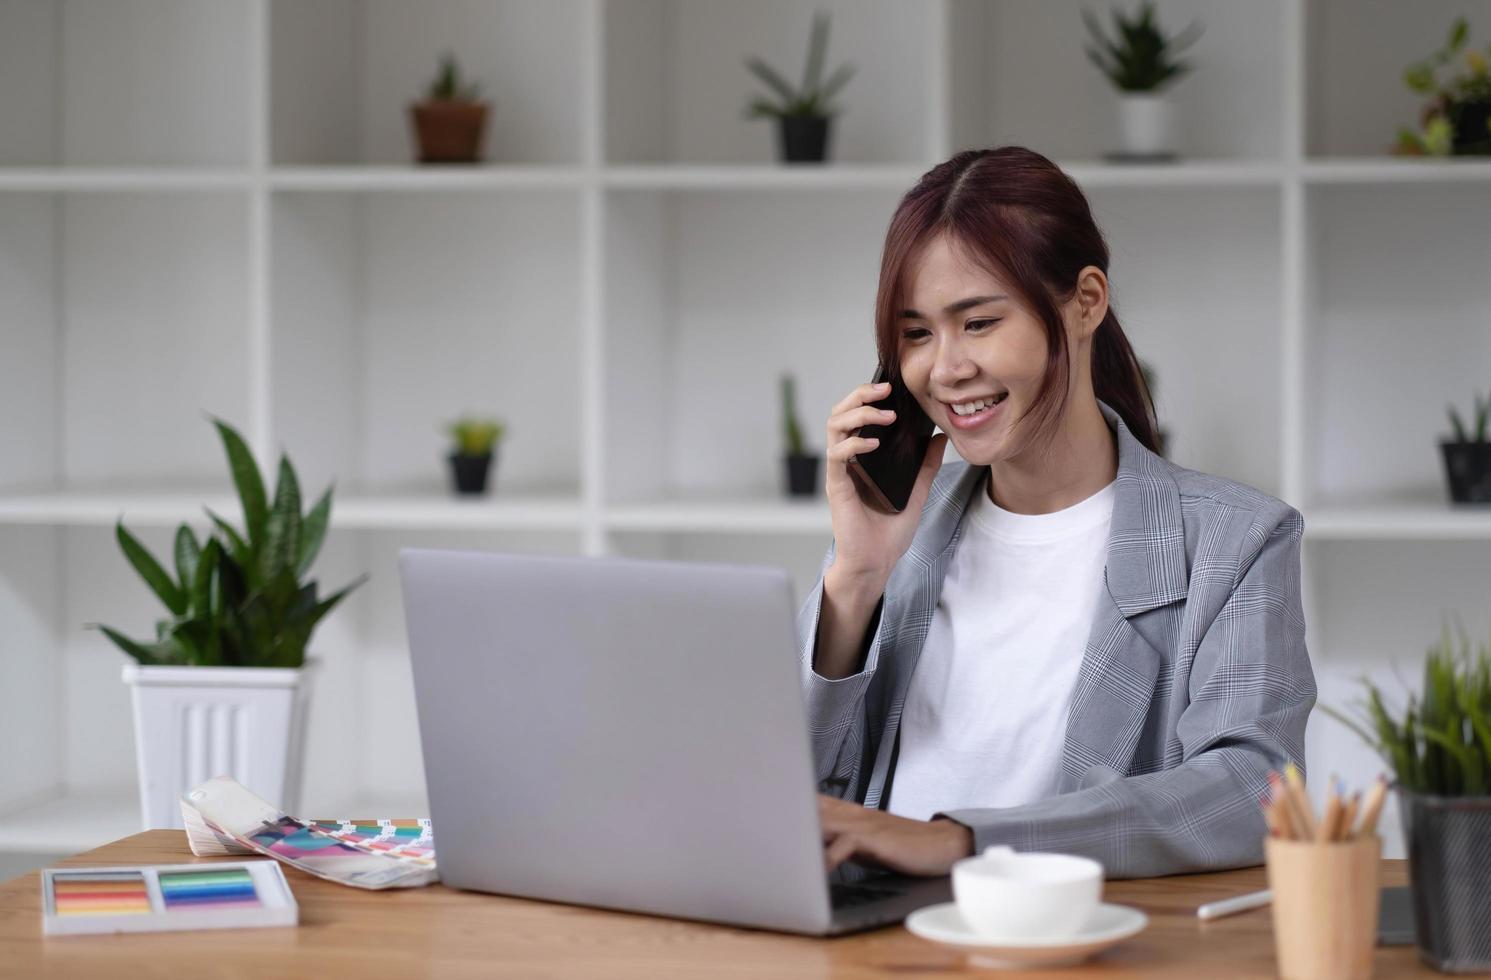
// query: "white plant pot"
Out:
[193,723]
[1146,124]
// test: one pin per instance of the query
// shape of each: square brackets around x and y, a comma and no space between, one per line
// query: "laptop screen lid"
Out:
[617,732]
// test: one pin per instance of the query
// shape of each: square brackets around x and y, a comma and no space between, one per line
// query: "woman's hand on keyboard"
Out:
[913,847]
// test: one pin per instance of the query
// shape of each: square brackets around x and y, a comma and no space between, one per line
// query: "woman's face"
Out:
[972,353]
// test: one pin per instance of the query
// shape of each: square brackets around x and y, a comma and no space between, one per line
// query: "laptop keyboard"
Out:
[846,895]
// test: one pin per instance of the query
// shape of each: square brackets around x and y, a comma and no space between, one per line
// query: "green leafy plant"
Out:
[1140,58]
[449,86]
[237,600]
[1450,100]
[1478,433]
[813,97]
[1440,743]
[475,436]
[793,431]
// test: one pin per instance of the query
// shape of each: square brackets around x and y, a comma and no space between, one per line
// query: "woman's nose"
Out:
[952,364]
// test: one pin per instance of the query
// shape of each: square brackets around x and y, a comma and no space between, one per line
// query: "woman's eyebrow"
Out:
[958,307]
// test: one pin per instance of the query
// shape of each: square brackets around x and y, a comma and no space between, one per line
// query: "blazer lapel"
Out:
[1146,568]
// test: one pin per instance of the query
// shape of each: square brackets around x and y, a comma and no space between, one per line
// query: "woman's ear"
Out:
[1089,301]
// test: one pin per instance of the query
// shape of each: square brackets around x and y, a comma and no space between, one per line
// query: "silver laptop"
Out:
[628,734]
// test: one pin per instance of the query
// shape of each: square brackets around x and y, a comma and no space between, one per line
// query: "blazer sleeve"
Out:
[1250,689]
[837,726]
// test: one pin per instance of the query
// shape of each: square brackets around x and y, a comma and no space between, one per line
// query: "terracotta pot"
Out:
[449,132]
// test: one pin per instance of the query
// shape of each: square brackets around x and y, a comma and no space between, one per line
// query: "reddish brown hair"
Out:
[1028,223]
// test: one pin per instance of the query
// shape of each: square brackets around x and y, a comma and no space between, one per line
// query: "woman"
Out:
[1064,642]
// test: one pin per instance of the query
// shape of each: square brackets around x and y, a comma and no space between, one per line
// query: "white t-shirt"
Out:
[984,722]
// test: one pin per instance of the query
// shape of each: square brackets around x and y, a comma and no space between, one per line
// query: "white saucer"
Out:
[1110,924]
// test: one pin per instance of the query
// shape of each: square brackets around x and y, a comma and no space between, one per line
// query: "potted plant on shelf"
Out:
[474,449]
[222,689]
[1439,748]
[1141,65]
[449,123]
[1457,118]
[1467,458]
[800,466]
[804,114]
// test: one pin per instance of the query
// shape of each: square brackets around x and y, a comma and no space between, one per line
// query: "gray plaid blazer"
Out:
[1194,684]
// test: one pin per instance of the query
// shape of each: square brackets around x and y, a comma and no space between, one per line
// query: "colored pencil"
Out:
[1370,810]
[1348,815]
[1326,830]
[1304,816]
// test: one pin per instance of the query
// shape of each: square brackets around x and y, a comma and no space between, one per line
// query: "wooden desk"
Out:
[439,932]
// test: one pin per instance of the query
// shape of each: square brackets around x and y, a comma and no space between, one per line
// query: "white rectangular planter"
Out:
[193,723]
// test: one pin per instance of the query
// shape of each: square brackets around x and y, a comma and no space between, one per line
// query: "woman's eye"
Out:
[979,324]
[916,333]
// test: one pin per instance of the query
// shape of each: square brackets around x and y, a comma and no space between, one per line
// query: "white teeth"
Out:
[971,407]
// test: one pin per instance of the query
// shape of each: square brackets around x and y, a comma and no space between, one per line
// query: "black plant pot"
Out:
[469,473]
[1471,135]
[803,139]
[802,475]
[1449,866]
[1467,468]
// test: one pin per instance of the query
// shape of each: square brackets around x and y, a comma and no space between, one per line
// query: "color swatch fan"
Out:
[223,817]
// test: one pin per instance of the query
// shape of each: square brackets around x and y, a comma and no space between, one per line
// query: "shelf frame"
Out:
[588,509]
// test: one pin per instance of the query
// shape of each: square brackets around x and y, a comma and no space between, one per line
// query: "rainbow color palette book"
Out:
[223,817]
[166,898]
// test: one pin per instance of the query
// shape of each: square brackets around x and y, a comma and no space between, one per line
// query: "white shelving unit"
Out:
[208,206]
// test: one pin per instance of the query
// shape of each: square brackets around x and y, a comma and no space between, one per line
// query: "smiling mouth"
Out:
[977,413]
[970,408]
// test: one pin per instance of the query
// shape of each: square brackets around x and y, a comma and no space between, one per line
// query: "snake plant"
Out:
[813,97]
[1477,432]
[791,428]
[237,599]
[1140,59]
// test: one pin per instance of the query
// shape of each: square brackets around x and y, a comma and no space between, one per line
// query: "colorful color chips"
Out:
[216,889]
[165,897]
[122,893]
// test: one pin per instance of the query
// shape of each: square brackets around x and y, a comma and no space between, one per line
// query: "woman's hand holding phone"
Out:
[868,541]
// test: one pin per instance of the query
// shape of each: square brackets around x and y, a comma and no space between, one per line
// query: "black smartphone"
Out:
[886,474]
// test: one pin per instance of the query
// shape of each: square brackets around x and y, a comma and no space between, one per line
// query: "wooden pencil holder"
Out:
[1325,906]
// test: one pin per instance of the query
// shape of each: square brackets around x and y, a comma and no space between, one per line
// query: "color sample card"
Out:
[221,815]
[226,889]
[411,839]
[102,894]
[169,897]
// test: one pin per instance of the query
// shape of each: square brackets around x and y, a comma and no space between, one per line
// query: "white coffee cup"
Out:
[1026,895]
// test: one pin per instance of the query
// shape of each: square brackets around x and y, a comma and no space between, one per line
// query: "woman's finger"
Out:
[868,392]
[840,452]
[843,423]
[841,850]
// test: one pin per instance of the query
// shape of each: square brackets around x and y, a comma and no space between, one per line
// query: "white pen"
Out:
[1241,903]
